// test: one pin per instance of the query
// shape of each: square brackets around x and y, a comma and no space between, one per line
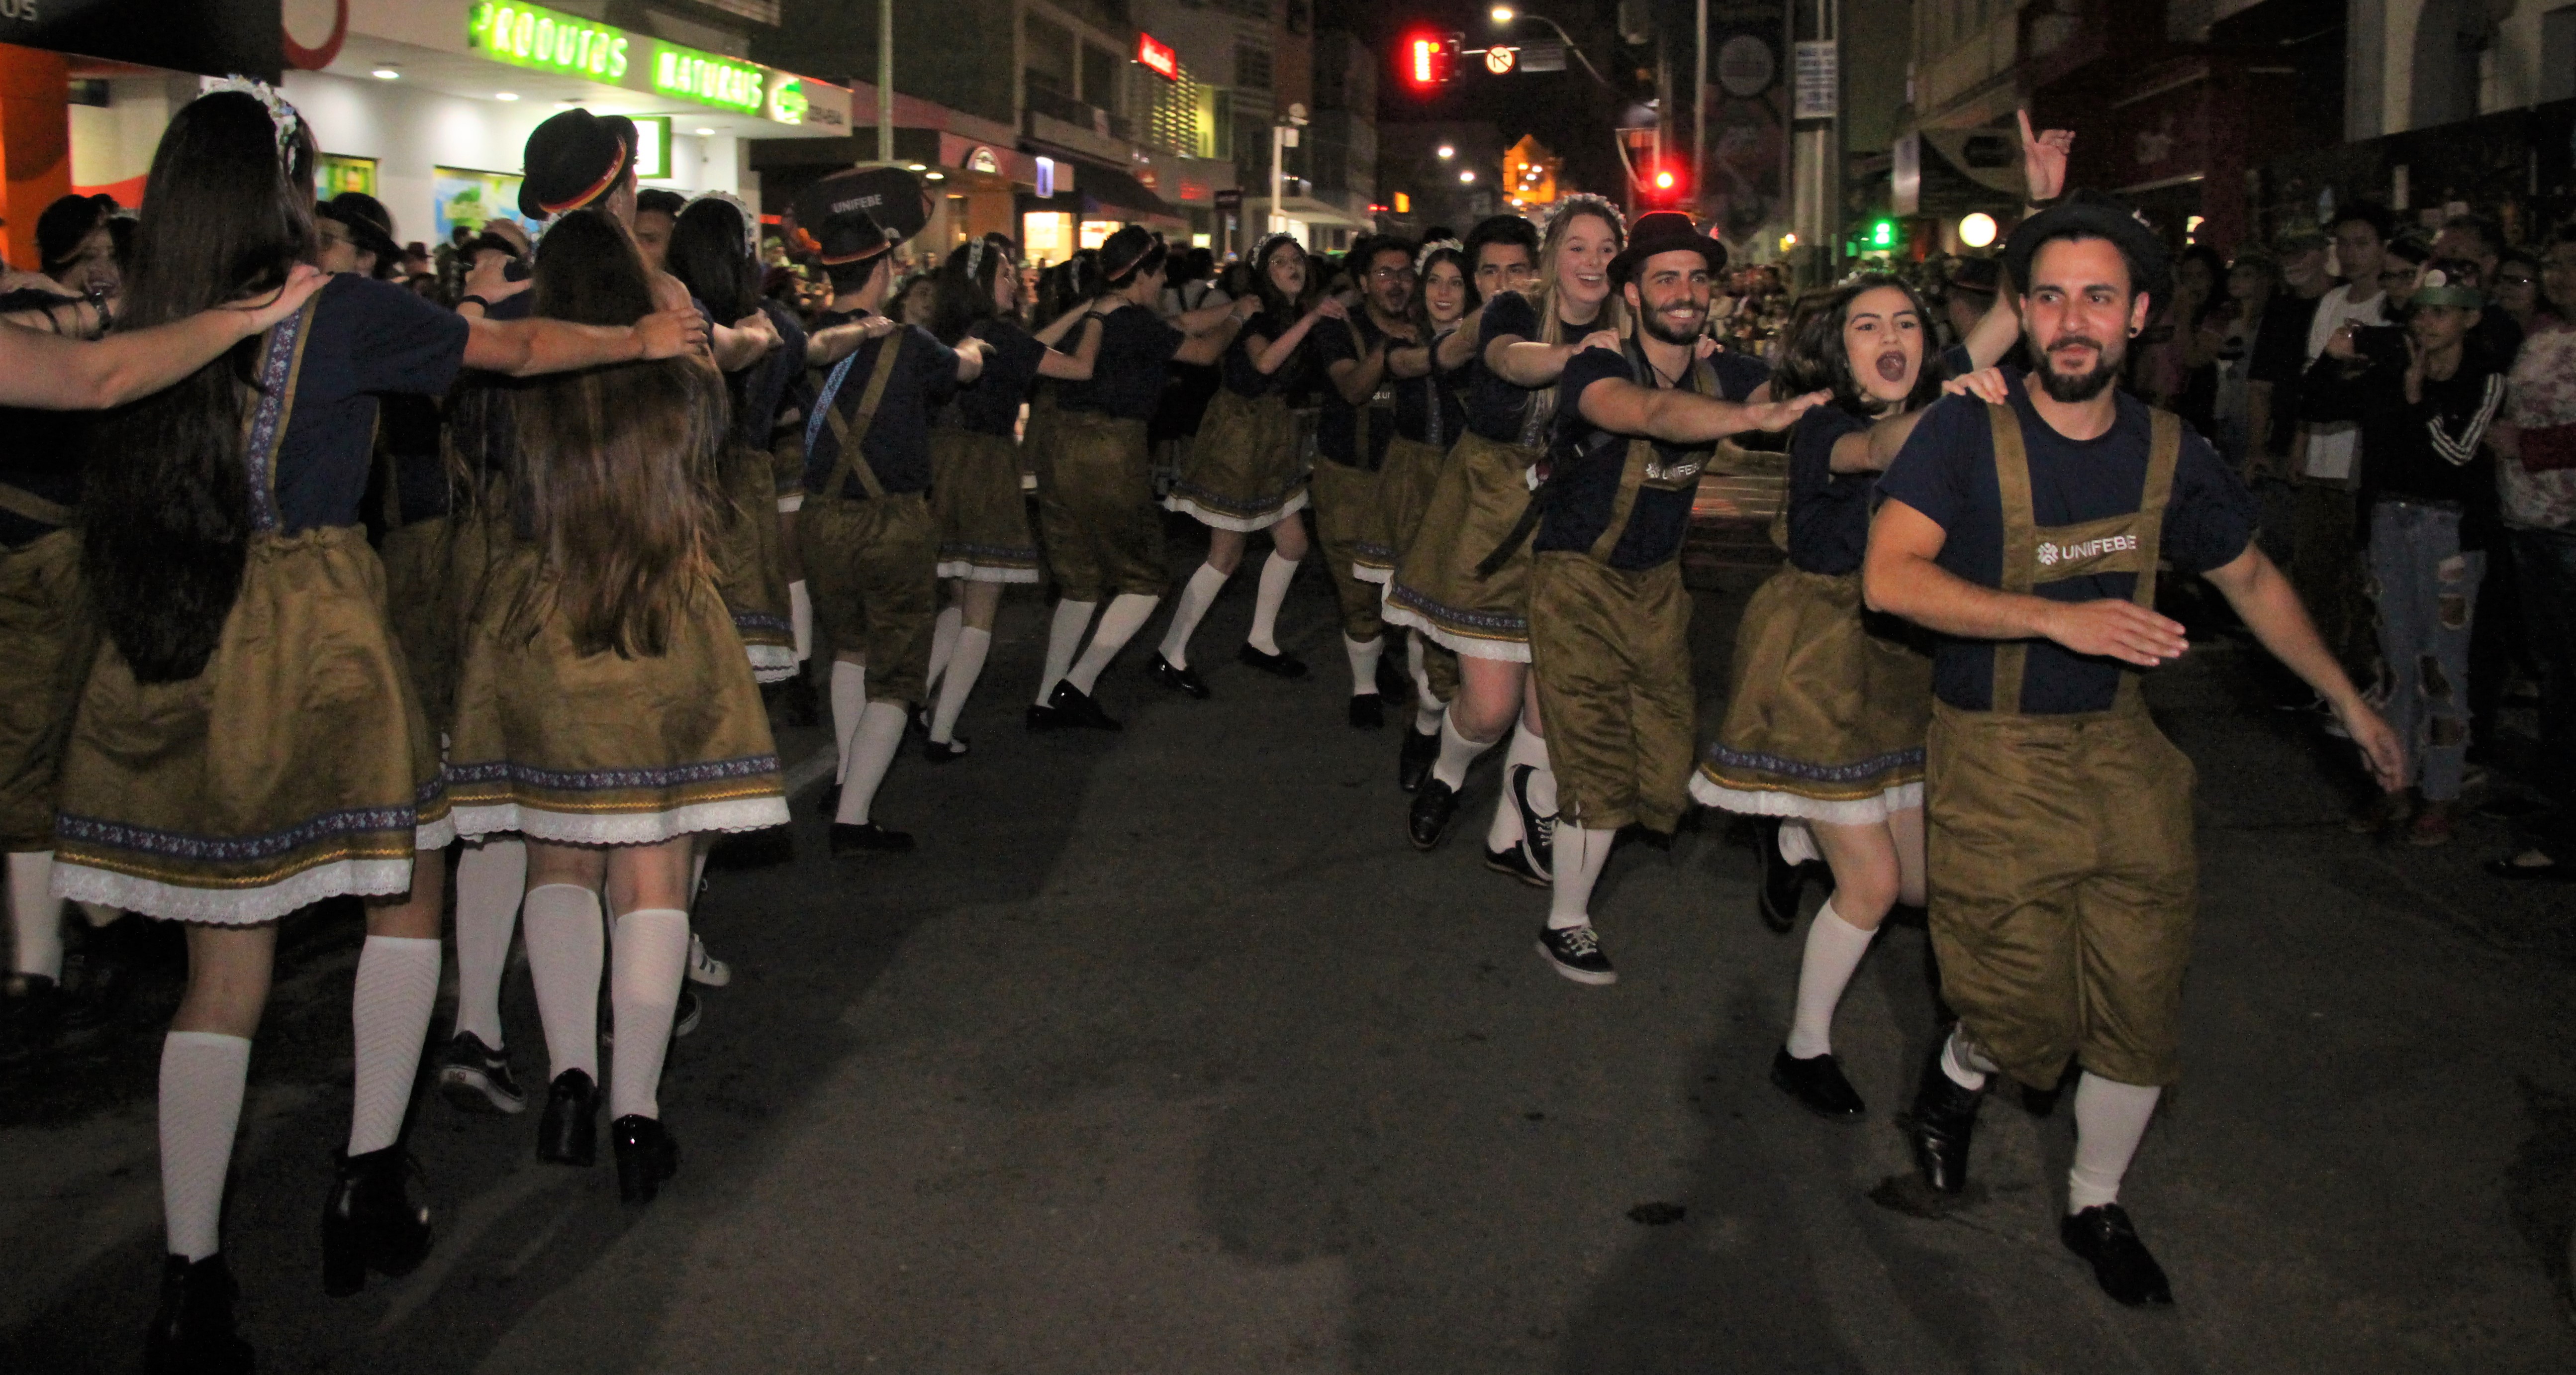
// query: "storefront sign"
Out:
[688,74]
[527,36]
[463,197]
[338,173]
[982,160]
[652,147]
[545,40]
[787,103]
[1157,58]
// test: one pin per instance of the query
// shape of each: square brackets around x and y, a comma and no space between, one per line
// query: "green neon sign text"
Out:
[532,36]
[787,103]
[705,78]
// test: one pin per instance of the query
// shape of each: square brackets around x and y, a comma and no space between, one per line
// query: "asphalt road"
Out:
[1166,1053]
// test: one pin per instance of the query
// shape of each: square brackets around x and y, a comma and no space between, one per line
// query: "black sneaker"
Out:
[1435,805]
[2103,1235]
[1818,1085]
[1280,665]
[1538,833]
[1368,711]
[1074,707]
[476,1078]
[684,1018]
[1413,763]
[1575,952]
[1514,860]
[866,837]
[1182,680]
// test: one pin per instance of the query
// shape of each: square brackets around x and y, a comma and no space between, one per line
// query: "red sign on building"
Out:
[1158,58]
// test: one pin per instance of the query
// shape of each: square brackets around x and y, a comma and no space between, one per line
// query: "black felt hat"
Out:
[1664,231]
[572,160]
[370,225]
[2093,215]
[850,236]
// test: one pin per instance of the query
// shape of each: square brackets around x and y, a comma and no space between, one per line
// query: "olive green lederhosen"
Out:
[1096,507]
[1350,522]
[1610,652]
[1245,470]
[47,639]
[295,767]
[2060,847]
[872,562]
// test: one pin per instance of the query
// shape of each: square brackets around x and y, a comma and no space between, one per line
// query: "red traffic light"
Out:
[1663,179]
[1428,59]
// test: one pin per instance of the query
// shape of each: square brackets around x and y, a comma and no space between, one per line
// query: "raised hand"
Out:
[1985,384]
[1771,417]
[2043,159]
[2114,629]
[670,333]
[260,312]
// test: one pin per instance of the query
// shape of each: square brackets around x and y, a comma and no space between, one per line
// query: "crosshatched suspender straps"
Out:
[849,432]
[281,367]
[1641,452]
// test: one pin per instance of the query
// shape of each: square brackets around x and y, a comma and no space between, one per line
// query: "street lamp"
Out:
[1447,151]
[1283,136]
[1503,15]
[1466,176]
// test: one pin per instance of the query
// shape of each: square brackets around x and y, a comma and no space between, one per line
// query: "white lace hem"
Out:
[1857,811]
[1295,503]
[791,503]
[1373,572]
[985,572]
[1464,646]
[434,835]
[621,828]
[771,663]
[368,878]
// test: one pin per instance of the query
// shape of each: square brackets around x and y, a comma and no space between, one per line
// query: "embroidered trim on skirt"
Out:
[1479,497]
[296,767]
[751,563]
[983,517]
[47,639]
[595,749]
[1827,708]
[1244,470]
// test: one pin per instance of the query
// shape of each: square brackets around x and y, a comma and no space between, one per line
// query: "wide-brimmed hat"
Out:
[573,159]
[370,225]
[2093,215]
[1664,231]
[850,236]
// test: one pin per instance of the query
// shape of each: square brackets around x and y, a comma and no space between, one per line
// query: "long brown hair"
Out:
[1551,247]
[616,474]
[169,500]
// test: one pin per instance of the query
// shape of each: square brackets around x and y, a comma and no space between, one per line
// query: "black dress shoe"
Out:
[1435,804]
[1182,680]
[192,1332]
[1278,665]
[1818,1085]
[2103,1235]
[829,802]
[944,751]
[1777,898]
[1074,707]
[1368,711]
[1514,861]
[646,1155]
[1413,763]
[1943,1119]
[1042,719]
[568,1134]
[867,837]
[1392,684]
[370,1221]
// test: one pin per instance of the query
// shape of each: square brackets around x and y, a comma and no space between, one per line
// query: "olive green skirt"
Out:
[295,767]
[1244,471]
[421,605]
[599,749]
[1826,711]
[751,563]
[1480,495]
[1404,486]
[1096,507]
[983,517]
[47,639]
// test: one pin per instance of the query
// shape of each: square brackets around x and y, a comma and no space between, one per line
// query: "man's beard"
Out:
[1654,325]
[2082,386]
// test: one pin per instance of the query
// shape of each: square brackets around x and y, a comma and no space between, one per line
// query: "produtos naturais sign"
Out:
[545,40]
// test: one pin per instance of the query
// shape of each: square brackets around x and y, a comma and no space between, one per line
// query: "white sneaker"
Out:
[705,968]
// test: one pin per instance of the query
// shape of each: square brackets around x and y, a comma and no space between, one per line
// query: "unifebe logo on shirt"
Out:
[2051,553]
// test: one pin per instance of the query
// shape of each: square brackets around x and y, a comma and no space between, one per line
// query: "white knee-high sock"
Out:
[1127,614]
[389,1012]
[1276,574]
[35,914]
[1064,636]
[1456,753]
[1963,1062]
[1505,831]
[963,670]
[2110,1120]
[565,950]
[491,878]
[202,1077]
[1834,948]
[652,953]
[1427,709]
[800,619]
[943,639]
[1363,655]
[872,751]
[849,699]
[1580,857]
[1196,597]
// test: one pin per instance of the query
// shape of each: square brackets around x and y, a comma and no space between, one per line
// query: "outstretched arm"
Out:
[45,372]
[528,348]
[1075,366]
[1681,417]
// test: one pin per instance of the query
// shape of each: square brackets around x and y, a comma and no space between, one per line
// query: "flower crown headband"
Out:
[1422,260]
[282,116]
[750,220]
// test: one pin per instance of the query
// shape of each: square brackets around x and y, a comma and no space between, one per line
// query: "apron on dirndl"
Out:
[1610,654]
[871,562]
[1246,469]
[2061,870]
[975,498]
[296,766]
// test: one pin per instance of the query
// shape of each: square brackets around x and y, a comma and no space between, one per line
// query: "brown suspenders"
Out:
[849,432]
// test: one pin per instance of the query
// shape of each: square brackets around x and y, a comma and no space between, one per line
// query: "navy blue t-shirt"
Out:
[765,384]
[1497,408]
[370,339]
[1828,511]
[1291,380]
[41,452]
[1947,471]
[1127,374]
[1432,409]
[1337,427]
[897,446]
[1586,461]
[992,404]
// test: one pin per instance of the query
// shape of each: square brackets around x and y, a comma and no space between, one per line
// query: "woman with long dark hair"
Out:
[1465,581]
[236,587]
[1828,704]
[1243,473]
[1430,413]
[984,539]
[606,710]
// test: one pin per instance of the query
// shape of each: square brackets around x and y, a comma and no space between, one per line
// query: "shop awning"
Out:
[1305,210]
[1102,187]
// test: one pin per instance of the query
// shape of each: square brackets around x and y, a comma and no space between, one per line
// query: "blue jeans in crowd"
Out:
[2546,562]
[2426,588]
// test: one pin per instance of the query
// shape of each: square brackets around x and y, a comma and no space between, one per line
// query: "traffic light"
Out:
[1881,235]
[1428,59]
[1663,183]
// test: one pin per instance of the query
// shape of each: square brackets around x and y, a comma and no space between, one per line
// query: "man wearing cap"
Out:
[357,236]
[2027,529]
[869,542]
[1637,420]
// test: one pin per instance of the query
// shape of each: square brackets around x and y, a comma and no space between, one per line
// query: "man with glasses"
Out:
[1350,447]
